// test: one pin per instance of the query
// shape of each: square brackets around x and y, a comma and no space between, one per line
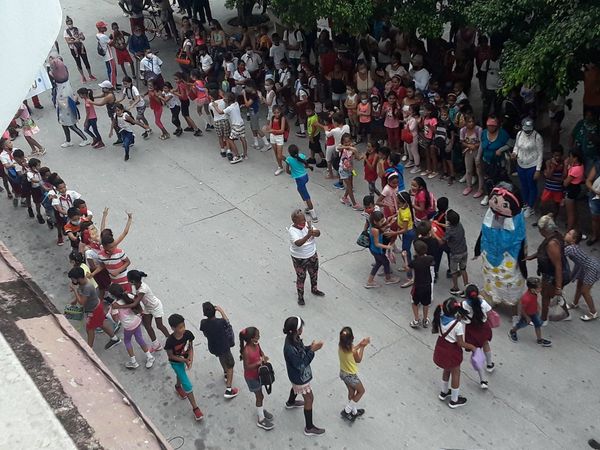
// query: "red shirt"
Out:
[529,303]
[252,357]
[371,172]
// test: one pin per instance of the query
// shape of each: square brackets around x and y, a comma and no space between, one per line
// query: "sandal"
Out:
[371,286]
[589,317]
[573,306]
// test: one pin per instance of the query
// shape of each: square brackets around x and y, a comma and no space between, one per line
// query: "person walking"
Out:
[74,38]
[529,153]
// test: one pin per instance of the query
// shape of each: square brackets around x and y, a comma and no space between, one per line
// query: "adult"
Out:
[490,79]
[109,100]
[219,344]
[419,74]
[470,141]
[74,39]
[593,184]
[150,69]
[586,272]
[552,264]
[105,50]
[529,153]
[293,40]
[495,141]
[138,43]
[363,79]
[218,41]
[384,48]
[586,137]
[201,10]
[304,254]
[119,43]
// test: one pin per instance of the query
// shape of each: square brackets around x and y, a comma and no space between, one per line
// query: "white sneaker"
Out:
[404,157]
[279,171]
[463,179]
[415,169]
[66,144]
[544,323]
[484,201]
[150,362]
[84,143]
[132,365]
[256,146]
[236,159]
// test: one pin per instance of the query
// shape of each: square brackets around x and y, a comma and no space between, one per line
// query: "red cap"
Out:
[101,24]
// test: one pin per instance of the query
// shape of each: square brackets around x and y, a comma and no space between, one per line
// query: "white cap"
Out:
[105,84]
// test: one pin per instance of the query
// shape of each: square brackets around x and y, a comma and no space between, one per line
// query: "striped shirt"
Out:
[114,264]
[555,186]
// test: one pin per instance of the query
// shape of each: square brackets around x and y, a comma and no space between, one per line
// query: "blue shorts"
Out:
[535,319]
[179,369]
[301,186]
[594,206]
[253,385]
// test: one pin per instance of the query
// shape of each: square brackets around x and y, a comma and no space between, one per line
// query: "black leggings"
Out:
[75,128]
[78,57]
[175,116]
[381,259]
[92,124]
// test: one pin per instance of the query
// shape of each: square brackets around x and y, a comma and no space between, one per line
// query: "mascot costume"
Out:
[64,100]
[503,246]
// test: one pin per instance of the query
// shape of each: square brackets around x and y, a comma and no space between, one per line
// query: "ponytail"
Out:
[405,197]
[246,335]
[472,294]
[423,185]
[294,153]
[436,323]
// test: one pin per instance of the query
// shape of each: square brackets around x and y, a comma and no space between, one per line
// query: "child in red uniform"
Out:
[371,163]
[529,312]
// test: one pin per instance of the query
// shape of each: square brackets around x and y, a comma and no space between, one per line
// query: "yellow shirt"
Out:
[404,215]
[347,363]
[86,270]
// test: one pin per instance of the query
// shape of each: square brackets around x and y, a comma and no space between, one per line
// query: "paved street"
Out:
[206,230]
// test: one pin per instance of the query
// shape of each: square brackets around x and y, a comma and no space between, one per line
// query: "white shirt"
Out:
[172,100]
[104,43]
[34,178]
[492,80]
[237,76]
[7,159]
[529,149]
[277,52]
[131,93]
[305,251]
[337,134]
[284,76]
[252,61]
[128,318]
[206,62]
[421,78]
[229,67]
[151,64]
[149,300]
[123,123]
[216,115]
[292,39]
[485,308]
[65,200]
[391,72]
[458,330]
[234,114]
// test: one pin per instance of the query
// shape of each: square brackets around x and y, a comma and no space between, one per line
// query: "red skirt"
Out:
[447,355]
[477,334]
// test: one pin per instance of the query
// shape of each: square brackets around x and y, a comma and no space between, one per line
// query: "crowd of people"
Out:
[386,100]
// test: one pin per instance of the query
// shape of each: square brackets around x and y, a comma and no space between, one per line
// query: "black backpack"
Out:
[100,49]
[266,375]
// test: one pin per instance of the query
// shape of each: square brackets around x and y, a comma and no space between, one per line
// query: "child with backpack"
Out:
[253,357]
[529,312]
[350,356]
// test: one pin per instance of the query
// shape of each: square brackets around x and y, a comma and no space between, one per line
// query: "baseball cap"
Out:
[101,24]
[527,124]
[105,84]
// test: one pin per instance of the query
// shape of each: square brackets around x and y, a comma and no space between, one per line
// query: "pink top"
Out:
[90,111]
[391,121]
[429,126]
[577,172]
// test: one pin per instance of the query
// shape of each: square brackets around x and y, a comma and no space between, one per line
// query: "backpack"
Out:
[101,51]
[266,376]
[229,334]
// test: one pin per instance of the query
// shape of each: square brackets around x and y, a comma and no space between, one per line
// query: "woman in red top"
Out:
[253,357]
[157,107]
[371,163]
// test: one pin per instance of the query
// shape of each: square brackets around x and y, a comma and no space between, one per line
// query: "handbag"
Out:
[364,240]
[74,312]
[183,59]
[406,136]
[493,318]
[229,334]
[556,311]
[266,376]
[478,359]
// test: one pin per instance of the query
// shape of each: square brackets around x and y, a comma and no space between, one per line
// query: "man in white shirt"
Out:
[106,51]
[419,74]
[293,43]
[491,100]
[303,249]
[277,50]
[150,69]
[241,76]
[253,62]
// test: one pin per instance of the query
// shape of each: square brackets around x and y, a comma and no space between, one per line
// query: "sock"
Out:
[348,408]
[302,128]
[308,419]
[255,141]
[488,358]
[292,397]
[132,359]
[454,394]
[353,406]
[149,355]
[265,140]
[260,411]
[155,343]
[480,373]
[444,386]
[114,338]
[312,213]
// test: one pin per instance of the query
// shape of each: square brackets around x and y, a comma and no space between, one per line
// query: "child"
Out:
[238,129]
[297,360]
[253,357]
[61,203]
[412,119]
[406,227]
[174,105]
[35,179]
[302,96]
[180,350]
[90,126]
[424,233]
[350,356]
[296,165]
[392,112]
[445,138]
[424,201]
[337,130]
[78,260]
[448,348]
[252,104]
[12,170]
[314,137]
[383,165]
[428,127]
[363,111]
[221,122]
[422,288]
[182,91]
[378,225]
[438,231]
[29,128]
[376,127]
[48,195]
[351,105]
[131,322]
[277,129]
[86,214]
[156,105]
[528,306]
[270,98]
[457,245]
[572,183]
[131,93]
[123,122]
[554,175]
[478,331]
[73,227]
[346,170]
[202,99]
[397,167]
[388,199]
[371,163]
[21,167]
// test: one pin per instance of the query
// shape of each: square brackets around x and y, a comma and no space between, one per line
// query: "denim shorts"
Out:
[349,378]
[253,385]
[535,319]
[594,206]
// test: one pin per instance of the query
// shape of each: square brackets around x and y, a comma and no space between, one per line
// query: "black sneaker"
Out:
[322,164]
[314,431]
[513,335]
[223,154]
[40,220]
[348,416]
[359,412]
[444,395]
[296,404]
[460,402]
[145,134]
[301,301]
[112,343]
[30,212]
[230,156]
[50,224]
[198,132]
[490,367]
[311,161]
[457,292]
[544,342]
[126,158]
